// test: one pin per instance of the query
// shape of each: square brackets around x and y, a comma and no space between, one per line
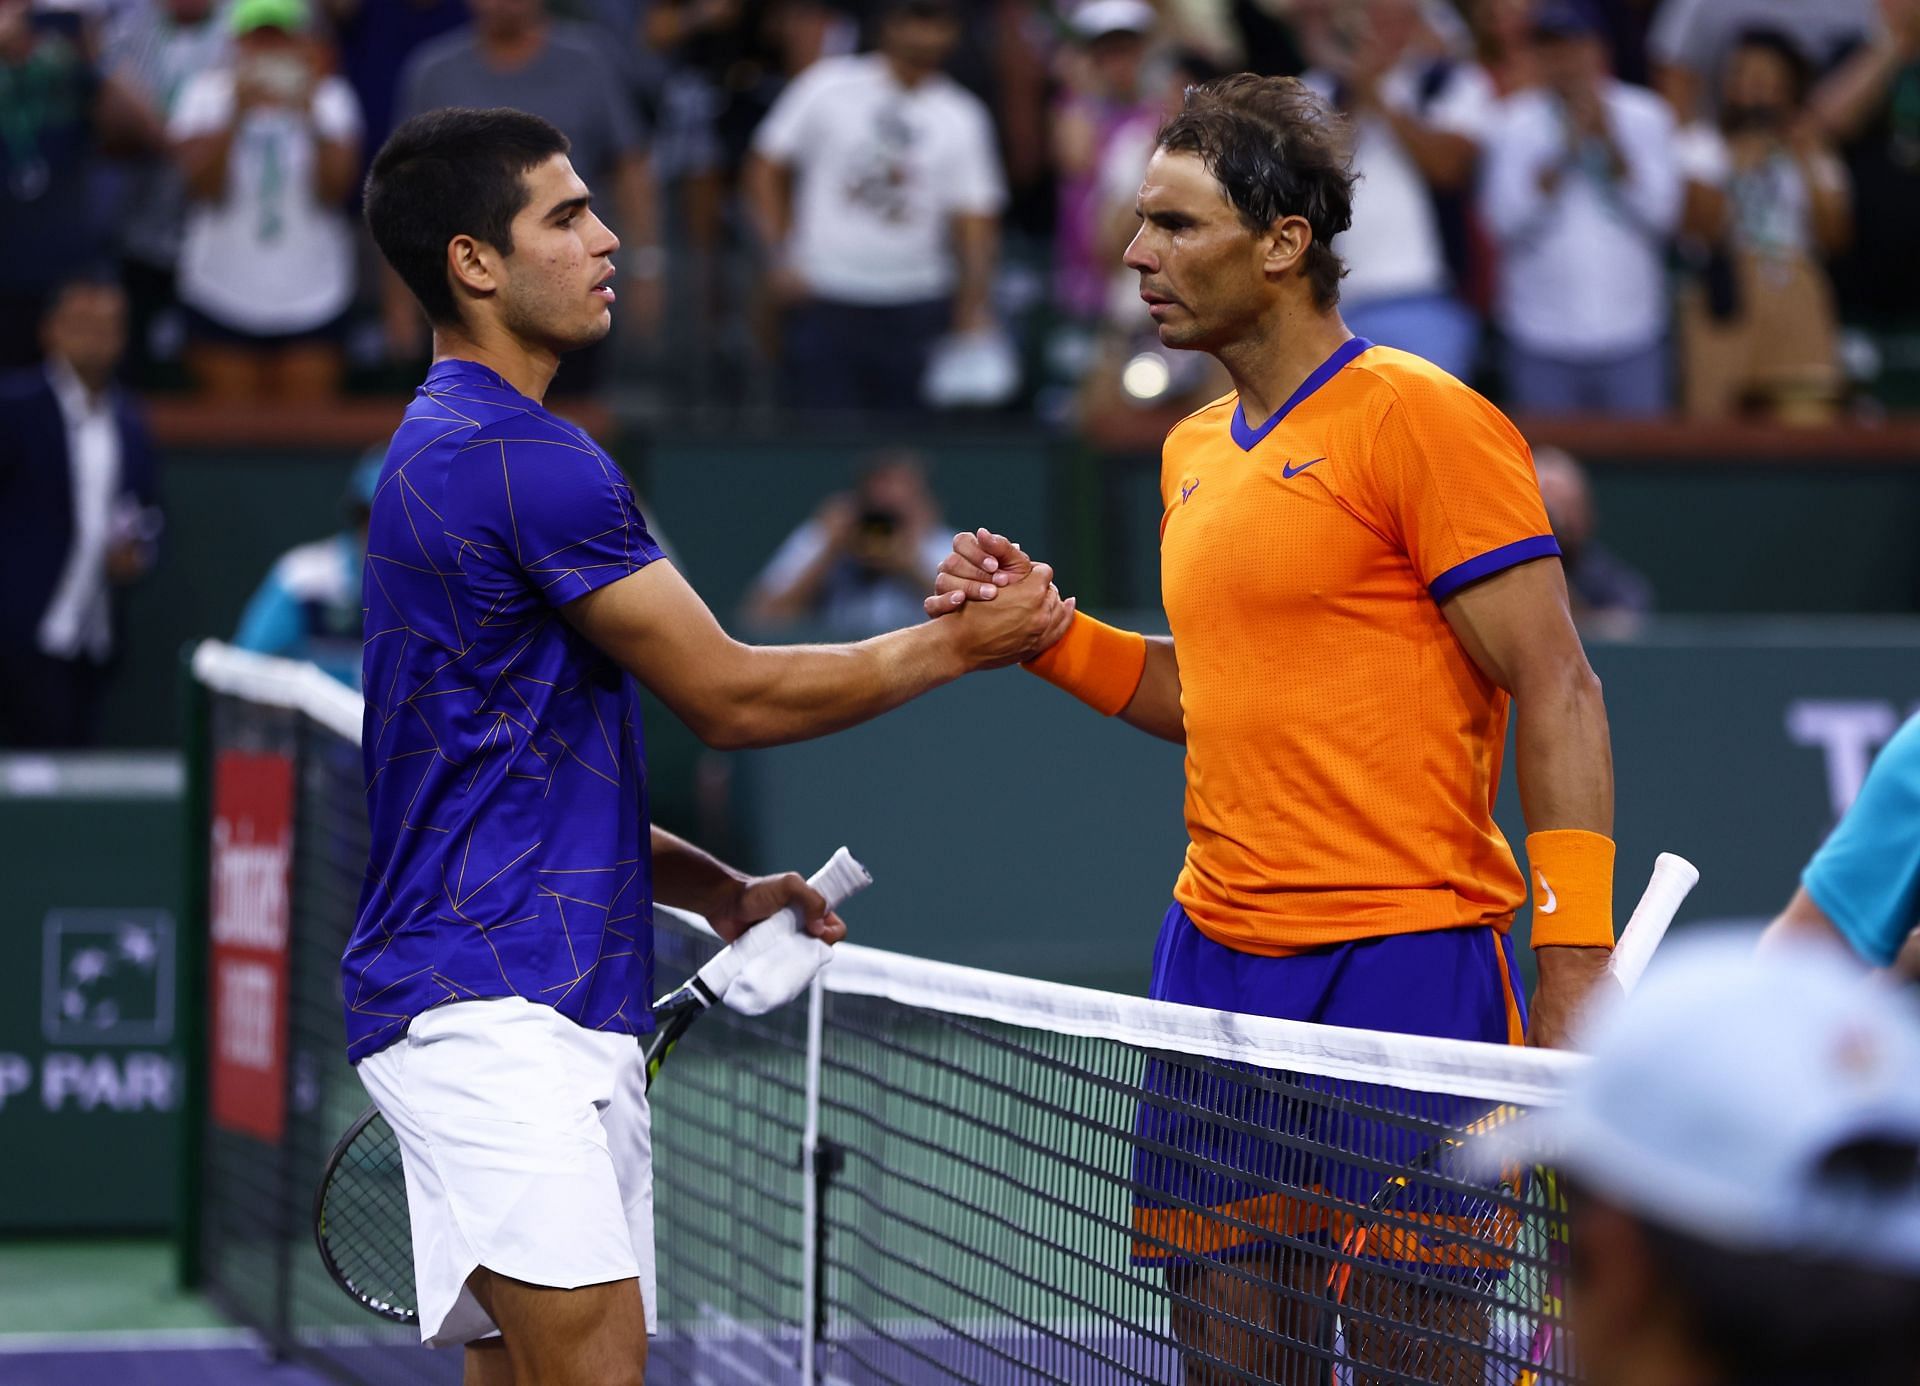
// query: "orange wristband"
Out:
[1572,888]
[1098,664]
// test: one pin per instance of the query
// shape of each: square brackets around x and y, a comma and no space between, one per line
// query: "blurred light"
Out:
[1147,376]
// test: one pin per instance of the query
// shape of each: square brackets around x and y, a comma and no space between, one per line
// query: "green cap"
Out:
[248,15]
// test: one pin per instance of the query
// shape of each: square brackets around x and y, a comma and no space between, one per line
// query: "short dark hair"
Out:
[88,279]
[1278,151]
[1777,1317]
[447,173]
[1781,44]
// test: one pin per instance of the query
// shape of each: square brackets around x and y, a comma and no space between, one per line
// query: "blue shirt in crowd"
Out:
[505,768]
[1866,876]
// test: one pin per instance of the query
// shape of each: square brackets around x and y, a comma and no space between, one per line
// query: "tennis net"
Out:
[927,1174]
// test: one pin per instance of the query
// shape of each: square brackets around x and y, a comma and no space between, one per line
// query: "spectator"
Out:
[1861,890]
[863,563]
[1783,206]
[1871,105]
[1608,597]
[1581,192]
[157,48]
[59,113]
[1740,1156]
[515,55]
[271,146]
[1419,116]
[376,38]
[724,64]
[876,189]
[1503,42]
[1103,72]
[1690,40]
[78,516]
[308,606]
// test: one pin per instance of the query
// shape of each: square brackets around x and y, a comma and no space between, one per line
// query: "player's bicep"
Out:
[656,627]
[1517,626]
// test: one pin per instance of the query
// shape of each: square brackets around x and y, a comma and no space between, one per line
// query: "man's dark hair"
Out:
[1779,43]
[89,278]
[1278,151]
[450,173]
[1773,1317]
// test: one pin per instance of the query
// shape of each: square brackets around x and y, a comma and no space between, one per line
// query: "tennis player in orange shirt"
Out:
[1361,582]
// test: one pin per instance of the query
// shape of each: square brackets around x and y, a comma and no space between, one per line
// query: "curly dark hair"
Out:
[1278,151]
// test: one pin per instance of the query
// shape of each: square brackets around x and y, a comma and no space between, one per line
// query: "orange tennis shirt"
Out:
[1343,750]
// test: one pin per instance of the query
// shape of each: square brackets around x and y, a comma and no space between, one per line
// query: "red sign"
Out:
[252,850]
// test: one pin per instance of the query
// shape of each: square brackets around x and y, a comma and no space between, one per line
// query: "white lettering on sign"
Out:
[139,1082]
[248,993]
[16,1076]
[1847,732]
[249,887]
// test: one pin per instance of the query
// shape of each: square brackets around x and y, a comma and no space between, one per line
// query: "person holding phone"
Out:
[859,566]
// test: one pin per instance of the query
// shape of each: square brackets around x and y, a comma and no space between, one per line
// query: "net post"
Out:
[289,1206]
[812,1266]
[190,1040]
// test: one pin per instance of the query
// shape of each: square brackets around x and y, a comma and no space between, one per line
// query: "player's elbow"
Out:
[723,726]
[1565,680]
[735,723]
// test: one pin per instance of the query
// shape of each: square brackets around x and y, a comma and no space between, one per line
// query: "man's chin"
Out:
[595,331]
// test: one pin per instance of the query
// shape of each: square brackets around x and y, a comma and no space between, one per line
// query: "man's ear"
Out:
[474,264]
[1287,243]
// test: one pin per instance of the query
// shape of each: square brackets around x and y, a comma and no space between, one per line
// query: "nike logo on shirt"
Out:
[1289,471]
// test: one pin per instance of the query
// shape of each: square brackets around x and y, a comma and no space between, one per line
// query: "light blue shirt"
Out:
[1866,876]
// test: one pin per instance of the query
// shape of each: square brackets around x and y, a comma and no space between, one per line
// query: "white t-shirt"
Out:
[1393,249]
[879,172]
[1583,268]
[267,258]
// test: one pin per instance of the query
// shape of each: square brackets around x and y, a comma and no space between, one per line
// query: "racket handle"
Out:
[841,878]
[773,962]
[1673,877]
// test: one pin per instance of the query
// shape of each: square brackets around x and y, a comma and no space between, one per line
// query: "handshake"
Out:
[998,606]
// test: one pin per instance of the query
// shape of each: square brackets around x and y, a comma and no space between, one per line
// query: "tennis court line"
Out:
[131,1340]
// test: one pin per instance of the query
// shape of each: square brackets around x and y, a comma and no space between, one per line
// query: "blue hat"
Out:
[1564,19]
[1718,1092]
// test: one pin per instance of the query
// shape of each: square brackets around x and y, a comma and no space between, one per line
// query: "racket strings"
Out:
[364,1233]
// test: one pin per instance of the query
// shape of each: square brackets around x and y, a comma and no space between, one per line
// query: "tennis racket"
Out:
[1406,1199]
[360,1218]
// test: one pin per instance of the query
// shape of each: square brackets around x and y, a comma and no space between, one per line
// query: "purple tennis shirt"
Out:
[506,774]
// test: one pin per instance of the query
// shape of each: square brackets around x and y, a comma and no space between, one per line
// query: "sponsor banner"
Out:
[252,851]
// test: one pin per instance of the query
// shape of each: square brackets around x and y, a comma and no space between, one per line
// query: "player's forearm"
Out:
[688,878]
[1155,706]
[1564,753]
[781,693]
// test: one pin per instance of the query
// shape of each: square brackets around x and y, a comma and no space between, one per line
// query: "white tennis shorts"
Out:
[527,1150]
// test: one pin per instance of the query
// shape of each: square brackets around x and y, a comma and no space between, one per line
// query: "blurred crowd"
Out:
[1619,207]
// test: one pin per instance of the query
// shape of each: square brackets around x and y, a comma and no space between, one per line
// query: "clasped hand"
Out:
[1005,605]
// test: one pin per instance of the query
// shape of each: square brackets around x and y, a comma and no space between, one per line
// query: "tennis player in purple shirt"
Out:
[501,963]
